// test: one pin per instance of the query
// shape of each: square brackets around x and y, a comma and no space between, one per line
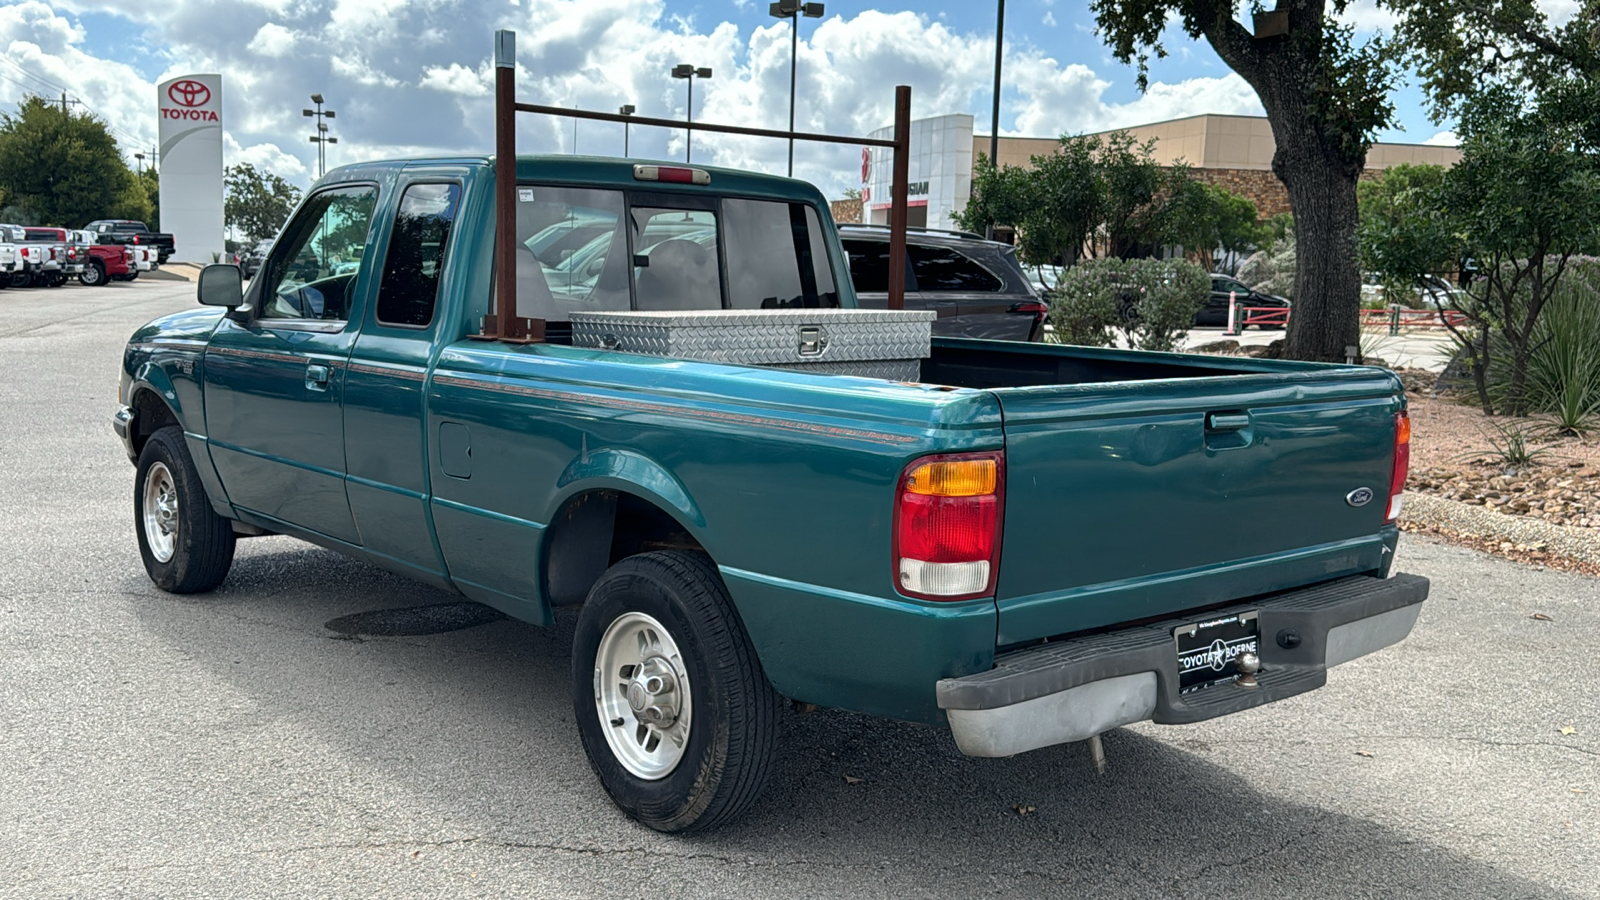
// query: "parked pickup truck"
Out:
[1028,544]
[11,238]
[44,257]
[128,231]
[105,262]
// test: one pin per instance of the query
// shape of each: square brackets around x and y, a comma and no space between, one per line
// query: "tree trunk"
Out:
[1319,161]
[1326,316]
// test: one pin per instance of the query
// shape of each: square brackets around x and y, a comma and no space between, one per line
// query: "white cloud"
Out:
[412,77]
[455,79]
[1444,139]
[1050,18]
[273,40]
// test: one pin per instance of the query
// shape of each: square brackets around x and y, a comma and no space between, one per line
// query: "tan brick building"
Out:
[1232,151]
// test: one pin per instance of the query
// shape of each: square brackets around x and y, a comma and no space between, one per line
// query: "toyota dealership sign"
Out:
[191,165]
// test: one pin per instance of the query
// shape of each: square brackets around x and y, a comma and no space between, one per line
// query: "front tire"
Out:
[675,713]
[186,547]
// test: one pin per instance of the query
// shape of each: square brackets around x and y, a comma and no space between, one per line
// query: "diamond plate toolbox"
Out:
[798,339]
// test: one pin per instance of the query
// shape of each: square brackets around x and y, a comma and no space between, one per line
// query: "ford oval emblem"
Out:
[1359,497]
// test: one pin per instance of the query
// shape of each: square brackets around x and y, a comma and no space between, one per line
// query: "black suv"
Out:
[1215,312]
[250,261]
[974,285]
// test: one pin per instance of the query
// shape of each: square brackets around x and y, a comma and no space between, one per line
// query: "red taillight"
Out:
[72,253]
[947,521]
[136,239]
[1402,466]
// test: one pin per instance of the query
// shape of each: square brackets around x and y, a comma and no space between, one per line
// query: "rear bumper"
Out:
[1073,689]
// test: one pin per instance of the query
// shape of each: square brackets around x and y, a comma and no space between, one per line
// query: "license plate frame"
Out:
[1208,651]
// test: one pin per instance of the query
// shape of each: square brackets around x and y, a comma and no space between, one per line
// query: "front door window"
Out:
[313,270]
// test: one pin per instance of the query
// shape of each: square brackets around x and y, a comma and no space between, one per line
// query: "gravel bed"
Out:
[1514,533]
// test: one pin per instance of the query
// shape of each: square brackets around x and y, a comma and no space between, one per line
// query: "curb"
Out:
[1581,544]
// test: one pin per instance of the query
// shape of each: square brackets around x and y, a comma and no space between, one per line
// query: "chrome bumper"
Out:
[122,424]
[1073,689]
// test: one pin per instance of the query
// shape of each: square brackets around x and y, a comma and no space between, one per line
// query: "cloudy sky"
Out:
[409,77]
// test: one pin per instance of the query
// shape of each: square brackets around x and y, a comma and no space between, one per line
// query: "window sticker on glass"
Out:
[525,195]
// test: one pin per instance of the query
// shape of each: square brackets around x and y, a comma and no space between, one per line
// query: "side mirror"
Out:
[221,285]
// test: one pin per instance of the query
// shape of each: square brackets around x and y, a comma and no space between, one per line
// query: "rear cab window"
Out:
[584,249]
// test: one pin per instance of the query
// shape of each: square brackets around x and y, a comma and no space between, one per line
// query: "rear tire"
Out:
[93,275]
[186,547]
[693,751]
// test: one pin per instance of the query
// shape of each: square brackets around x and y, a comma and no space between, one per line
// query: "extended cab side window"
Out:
[409,289]
[571,251]
[314,265]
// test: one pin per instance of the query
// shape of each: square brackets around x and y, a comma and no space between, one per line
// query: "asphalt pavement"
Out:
[320,728]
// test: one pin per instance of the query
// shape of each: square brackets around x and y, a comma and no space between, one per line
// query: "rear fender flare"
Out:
[631,473]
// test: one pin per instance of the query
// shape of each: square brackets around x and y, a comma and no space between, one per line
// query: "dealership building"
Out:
[1232,151]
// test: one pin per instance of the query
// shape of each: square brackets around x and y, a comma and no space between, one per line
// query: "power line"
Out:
[56,87]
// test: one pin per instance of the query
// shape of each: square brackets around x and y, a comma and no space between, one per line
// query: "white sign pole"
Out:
[190,109]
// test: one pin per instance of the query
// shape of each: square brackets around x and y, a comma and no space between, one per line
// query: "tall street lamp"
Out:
[994,120]
[690,73]
[793,10]
[627,110]
[321,138]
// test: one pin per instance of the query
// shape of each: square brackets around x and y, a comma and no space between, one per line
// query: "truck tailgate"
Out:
[1145,498]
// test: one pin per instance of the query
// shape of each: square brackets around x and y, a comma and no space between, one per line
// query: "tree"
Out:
[1523,201]
[1325,99]
[1402,236]
[1096,196]
[62,167]
[150,181]
[257,203]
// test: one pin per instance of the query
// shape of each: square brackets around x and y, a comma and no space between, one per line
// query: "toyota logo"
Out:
[189,92]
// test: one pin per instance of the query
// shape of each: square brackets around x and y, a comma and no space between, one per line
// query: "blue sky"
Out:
[411,77]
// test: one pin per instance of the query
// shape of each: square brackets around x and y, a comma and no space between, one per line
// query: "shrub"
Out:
[1151,301]
[1085,302]
[1272,270]
[1564,370]
[1171,291]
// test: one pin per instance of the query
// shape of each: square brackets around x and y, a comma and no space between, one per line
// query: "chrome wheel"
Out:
[160,512]
[643,694]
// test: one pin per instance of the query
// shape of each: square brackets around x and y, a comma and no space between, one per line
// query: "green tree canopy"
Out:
[1326,97]
[62,167]
[1523,201]
[255,202]
[1107,196]
[1402,236]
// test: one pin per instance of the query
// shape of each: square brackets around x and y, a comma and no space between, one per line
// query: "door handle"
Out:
[1227,421]
[317,377]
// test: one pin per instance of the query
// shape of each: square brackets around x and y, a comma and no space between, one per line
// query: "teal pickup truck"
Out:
[1028,544]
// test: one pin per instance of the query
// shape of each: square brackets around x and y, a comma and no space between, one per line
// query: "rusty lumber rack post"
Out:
[504,324]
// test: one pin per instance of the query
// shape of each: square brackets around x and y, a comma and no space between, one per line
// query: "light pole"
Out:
[690,73]
[140,158]
[321,138]
[994,121]
[793,10]
[627,110]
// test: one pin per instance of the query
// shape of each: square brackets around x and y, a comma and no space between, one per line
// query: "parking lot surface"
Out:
[316,729]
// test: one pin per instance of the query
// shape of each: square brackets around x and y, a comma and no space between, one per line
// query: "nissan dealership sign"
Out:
[191,165]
